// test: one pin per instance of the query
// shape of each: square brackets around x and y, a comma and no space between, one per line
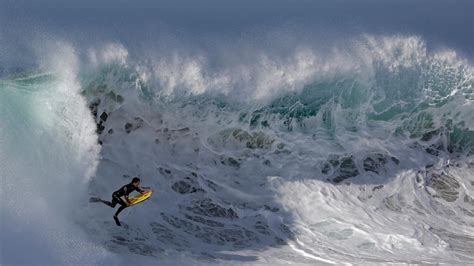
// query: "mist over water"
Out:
[286,137]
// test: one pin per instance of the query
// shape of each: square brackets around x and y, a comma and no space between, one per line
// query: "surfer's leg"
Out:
[108,203]
[122,207]
[114,202]
[117,222]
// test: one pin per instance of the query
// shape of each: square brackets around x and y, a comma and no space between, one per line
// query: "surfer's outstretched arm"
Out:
[144,189]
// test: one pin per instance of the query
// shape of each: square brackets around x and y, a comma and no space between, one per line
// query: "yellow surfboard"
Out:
[135,199]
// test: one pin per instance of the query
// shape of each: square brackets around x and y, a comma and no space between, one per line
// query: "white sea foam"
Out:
[48,153]
[108,54]
[244,159]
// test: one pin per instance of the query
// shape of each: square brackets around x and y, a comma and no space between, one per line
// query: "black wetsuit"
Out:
[123,191]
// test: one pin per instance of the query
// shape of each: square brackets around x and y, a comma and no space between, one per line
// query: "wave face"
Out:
[364,153]
[48,153]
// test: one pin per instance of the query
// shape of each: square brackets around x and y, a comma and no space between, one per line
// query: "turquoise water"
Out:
[366,119]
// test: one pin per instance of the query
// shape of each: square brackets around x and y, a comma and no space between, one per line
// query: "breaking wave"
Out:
[363,153]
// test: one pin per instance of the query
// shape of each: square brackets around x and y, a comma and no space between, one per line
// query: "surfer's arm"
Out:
[139,189]
[143,189]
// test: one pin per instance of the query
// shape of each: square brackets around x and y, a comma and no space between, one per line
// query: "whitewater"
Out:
[358,154]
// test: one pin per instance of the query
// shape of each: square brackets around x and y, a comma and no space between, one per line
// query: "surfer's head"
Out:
[135,181]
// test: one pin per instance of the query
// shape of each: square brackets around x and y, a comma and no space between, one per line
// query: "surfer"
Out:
[121,197]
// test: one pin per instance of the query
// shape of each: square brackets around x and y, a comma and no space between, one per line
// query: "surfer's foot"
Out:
[93,199]
[117,220]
